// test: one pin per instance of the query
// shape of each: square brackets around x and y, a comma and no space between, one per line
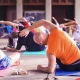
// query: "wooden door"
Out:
[11,14]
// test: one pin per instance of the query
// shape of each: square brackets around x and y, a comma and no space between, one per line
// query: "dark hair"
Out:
[22,22]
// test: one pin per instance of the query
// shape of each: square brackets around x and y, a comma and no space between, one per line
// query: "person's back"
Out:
[29,43]
[63,47]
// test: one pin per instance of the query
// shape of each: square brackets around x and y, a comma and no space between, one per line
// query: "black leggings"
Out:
[10,41]
[72,67]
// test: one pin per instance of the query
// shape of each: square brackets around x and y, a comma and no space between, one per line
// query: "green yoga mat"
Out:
[34,53]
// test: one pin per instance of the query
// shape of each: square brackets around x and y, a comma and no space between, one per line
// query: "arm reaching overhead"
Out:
[9,23]
[23,19]
[26,20]
[46,24]
[70,23]
[55,21]
[68,19]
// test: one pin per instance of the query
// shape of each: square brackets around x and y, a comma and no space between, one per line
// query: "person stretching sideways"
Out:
[61,48]
[26,41]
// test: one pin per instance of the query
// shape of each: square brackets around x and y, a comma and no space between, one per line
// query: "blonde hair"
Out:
[40,29]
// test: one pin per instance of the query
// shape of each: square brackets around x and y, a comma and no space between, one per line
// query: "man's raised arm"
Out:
[48,25]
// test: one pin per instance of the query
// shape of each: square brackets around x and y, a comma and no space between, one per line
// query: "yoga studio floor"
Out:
[29,63]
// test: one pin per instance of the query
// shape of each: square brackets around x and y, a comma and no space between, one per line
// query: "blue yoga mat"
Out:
[34,53]
[60,72]
[67,73]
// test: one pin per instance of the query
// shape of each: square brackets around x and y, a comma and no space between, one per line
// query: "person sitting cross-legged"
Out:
[7,61]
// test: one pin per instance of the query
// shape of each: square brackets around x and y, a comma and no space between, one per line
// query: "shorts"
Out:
[5,62]
[72,67]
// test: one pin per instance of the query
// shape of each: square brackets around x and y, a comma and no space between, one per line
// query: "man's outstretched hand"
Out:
[43,69]
[24,32]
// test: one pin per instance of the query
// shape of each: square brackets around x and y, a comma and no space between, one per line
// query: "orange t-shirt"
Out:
[62,46]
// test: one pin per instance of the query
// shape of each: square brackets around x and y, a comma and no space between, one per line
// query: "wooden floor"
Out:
[29,63]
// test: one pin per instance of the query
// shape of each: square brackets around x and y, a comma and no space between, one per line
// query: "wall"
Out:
[61,12]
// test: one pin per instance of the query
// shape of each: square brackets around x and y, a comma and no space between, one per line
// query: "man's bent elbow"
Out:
[51,71]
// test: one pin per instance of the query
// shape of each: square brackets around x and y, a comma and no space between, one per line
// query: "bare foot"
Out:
[8,49]
[16,63]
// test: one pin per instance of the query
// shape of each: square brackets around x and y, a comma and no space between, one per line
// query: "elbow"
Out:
[43,20]
[51,71]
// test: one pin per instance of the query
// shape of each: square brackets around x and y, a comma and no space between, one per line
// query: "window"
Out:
[36,14]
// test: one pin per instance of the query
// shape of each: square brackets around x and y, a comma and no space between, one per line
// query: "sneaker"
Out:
[22,72]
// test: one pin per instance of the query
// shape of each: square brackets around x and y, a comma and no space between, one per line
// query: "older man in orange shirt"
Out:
[61,47]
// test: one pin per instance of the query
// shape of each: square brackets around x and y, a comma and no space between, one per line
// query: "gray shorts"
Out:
[5,62]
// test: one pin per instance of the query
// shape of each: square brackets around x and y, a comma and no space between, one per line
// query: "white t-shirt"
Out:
[76,34]
[2,55]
